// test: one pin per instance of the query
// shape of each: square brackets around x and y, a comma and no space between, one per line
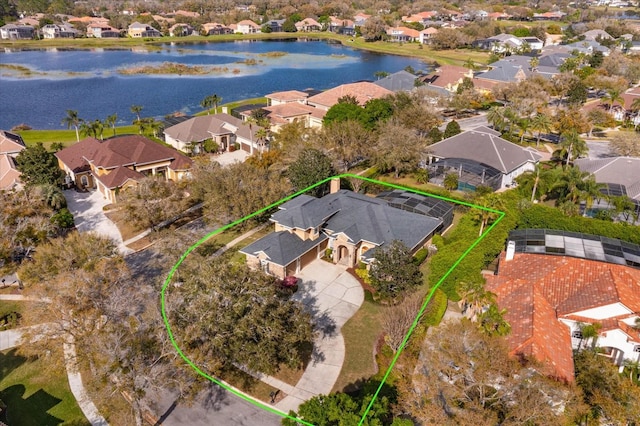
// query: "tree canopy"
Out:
[39,166]
[229,315]
[393,272]
[311,167]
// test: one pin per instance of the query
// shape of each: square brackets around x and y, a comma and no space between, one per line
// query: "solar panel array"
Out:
[575,244]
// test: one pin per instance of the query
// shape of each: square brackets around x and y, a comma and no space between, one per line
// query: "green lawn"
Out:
[37,392]
[360,335]
[66,137]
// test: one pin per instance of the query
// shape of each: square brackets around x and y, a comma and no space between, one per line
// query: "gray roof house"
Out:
[620,174]
[351,225]
[226,130]
[397,82]
[518,67]
[480,157]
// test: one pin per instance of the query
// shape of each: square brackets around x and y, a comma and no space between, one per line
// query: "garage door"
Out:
[308,257]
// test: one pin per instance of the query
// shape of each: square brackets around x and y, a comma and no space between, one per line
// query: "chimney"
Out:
[511,250]
[334,185]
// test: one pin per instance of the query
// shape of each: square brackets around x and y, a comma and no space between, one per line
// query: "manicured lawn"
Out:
[66,137]
[360,335]
[37,392]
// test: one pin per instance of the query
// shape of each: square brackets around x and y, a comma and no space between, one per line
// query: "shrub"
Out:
[420,256]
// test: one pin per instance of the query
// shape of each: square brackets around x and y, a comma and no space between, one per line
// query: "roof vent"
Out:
[511,250]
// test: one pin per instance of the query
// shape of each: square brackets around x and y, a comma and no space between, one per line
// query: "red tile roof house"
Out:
[288,107]
[548,297]
[11,144]
[362,91]
[118,163]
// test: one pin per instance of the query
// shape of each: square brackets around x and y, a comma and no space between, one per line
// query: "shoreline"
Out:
[413,50]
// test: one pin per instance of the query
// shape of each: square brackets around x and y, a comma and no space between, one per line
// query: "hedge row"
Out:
[541,216]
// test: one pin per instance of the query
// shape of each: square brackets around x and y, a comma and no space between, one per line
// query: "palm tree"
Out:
[475,297]
[496,117]
[207,103]
[511,117]
[572,146]
[53,196]
[136,109]
[110,121]
[533,63]
[484,216]
[525,125]
[470,64]
[569,183]
[590,190]
[215,99]
[591,331]
[542,123]
[262,134]
[72,119]
[612,96]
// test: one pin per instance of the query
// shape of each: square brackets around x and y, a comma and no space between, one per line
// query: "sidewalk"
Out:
[12,338]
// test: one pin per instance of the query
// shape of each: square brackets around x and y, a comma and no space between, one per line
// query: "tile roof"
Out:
[9,175]
[537,290]
[363,91]
[200,128]
[127,150]
[288,96]
[447,75]
[10,143]
[485,146]
[278,113]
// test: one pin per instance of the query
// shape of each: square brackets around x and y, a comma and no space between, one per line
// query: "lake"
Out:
[89,82]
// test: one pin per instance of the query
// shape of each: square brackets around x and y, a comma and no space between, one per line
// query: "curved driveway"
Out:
[332,296]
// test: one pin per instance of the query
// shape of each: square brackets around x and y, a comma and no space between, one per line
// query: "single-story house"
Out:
[620,175]
[362,91]
[138,30]
[224,129]
[11,144]
[400,81]
[480,157]
[552,283]
[120,162]
[308,25]
[447,77]
[403,34]
[345,225]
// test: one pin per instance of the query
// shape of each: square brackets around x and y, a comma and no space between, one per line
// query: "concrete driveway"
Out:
[86,208]
[332,296]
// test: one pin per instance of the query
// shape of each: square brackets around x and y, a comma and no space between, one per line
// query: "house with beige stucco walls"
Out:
[345,226]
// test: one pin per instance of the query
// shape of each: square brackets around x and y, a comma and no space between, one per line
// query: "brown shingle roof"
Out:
[75,156]
[119,176]
[363,91]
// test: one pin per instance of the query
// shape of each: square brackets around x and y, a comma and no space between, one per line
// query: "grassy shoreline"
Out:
[423,52]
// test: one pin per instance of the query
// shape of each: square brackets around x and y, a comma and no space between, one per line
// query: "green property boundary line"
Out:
[269,408]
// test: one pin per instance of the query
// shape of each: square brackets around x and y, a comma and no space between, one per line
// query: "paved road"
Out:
[598,149]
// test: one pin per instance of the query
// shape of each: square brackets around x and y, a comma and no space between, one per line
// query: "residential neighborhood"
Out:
[454,241]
